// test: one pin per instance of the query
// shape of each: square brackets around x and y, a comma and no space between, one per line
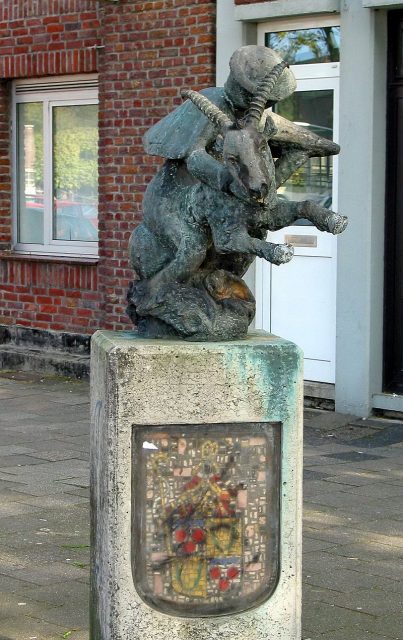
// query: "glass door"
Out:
[298,300]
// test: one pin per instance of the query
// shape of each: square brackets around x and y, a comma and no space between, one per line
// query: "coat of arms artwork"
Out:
[207,212]
[207,542]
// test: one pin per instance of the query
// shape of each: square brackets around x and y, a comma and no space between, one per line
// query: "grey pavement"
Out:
[353,543]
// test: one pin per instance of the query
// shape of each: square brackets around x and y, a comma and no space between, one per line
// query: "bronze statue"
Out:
[208,209]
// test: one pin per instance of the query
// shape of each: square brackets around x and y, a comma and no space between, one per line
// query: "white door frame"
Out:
[309,77]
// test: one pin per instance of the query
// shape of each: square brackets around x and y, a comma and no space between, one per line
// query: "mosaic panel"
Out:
[206,516]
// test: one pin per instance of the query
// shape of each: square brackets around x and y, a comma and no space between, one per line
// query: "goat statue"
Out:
[196,242]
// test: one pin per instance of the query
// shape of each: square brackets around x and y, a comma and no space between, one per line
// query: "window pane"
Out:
[312,110]
[75,172]
[306,46]
[30,172]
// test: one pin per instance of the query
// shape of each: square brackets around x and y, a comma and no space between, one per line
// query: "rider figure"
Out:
[186,134]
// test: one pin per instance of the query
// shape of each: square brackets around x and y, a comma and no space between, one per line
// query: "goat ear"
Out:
[270,128]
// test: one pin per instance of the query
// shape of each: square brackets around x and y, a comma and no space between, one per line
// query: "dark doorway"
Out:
[393,343]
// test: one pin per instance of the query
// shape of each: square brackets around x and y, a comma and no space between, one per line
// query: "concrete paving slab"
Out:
[390,626]
[375,602]
[19,460]
[48,574]
[342,499]
[346,581]
[6,484]
[376,559]
[14,605]
[49,502]
[320,617]
[359,634]
[16,508]
[65,454]
[352,577]
[77,491]
[28,628]
[325,420]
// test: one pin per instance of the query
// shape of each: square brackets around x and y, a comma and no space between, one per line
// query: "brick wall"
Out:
[40,38]
[46,37]
[46,295]
[152,49]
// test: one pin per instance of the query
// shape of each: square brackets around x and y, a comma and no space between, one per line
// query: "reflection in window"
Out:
[55,161]
[75,172]
[312,110]
[30,172]
[306,46]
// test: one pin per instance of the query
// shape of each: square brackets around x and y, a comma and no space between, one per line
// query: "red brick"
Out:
[48,308]
[44,300]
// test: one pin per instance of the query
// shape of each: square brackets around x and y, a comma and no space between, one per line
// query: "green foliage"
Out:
[321,42]
[75,165]
[75,146]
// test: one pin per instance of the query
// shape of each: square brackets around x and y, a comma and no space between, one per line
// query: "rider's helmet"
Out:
[248,66]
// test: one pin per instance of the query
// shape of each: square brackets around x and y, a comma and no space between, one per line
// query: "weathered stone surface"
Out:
[160,382]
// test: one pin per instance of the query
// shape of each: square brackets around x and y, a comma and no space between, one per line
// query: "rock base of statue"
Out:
[216,305]
[196,481]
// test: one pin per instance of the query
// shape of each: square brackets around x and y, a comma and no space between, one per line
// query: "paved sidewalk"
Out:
[353,518]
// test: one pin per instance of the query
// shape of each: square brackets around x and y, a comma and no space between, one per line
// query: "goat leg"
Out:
[189,256]
[286,213]
[238,240]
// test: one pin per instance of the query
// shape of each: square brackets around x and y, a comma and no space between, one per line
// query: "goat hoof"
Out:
[282,254]
[336,224]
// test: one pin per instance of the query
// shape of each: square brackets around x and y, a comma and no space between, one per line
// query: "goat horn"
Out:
[209,109]
[258,102]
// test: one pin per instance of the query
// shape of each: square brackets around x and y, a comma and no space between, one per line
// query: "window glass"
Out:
[312,110]
[30,172]
[56,166]
[306,46]
[75,172]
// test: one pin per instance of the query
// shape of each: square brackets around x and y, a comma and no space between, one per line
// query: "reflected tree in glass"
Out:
[306,46]
[313,181]
[75,172]
[30,172]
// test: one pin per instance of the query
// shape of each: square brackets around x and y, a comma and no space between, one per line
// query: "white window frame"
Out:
[296,23]
[52,92]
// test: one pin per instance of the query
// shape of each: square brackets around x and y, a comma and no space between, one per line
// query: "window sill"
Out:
[36,257]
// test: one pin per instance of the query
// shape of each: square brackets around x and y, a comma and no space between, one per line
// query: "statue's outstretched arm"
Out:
[202,166]
[288,163]
[296,144]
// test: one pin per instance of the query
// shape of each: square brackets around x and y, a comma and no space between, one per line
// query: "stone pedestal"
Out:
[196,477]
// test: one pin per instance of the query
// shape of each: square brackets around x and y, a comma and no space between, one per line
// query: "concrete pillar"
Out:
[361,198]
[196,477]
[229,38]
[231,34]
